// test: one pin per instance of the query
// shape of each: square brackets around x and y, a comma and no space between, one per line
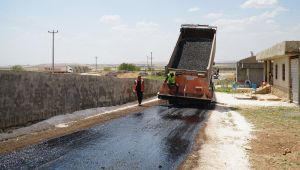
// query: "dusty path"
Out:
[157,138]
[230,140]
[224,143]
[227,137]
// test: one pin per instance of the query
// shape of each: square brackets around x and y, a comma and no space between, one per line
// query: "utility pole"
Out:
[53,32]
[151,60]
[147,63]
[96,63]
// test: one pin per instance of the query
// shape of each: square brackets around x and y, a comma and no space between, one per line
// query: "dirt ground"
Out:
[221,145]
[128,75]
[248,134]
[276,142]
[19,142]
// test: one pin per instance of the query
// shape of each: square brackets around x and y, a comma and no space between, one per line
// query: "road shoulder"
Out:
[223,144]
[272,142]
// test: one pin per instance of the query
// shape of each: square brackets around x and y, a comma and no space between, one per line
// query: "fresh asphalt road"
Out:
[160,137]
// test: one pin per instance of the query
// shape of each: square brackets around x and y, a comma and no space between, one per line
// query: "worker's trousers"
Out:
[139,96]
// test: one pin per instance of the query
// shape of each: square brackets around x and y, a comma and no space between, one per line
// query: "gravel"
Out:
[195,54]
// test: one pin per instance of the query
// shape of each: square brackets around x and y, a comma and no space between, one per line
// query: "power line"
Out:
[53,32]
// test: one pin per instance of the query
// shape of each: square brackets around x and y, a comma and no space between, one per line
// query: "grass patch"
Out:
[224,90]
[277,131]
[284,116]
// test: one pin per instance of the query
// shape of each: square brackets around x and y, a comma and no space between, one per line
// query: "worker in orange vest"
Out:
[138,88]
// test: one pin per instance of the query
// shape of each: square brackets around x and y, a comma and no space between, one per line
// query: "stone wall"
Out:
[29,96]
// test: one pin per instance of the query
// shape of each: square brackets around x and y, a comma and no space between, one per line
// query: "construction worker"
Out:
[138,88]
[171,81]
[270,78]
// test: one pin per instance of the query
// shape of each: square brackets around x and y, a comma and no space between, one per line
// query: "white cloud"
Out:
[120,27]
[147,26]
[259,3]
[111,19]
[194,9]
[238,36]
[274,13]
[214,15]
[243,23]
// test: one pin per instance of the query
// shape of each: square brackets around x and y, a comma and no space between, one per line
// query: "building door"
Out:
[295,79]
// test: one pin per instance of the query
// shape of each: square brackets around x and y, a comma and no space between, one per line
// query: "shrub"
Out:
[17,68]
[128,67]
[107,68]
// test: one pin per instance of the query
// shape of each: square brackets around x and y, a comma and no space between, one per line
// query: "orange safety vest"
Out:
[142,85]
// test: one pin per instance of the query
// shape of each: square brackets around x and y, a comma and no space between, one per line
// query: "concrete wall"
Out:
[249,69]
[279,82]
[241,75]
[28,96]
[278,50]
[281,87]
[255,75]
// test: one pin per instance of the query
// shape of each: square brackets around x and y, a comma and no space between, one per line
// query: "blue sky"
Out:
[127,31]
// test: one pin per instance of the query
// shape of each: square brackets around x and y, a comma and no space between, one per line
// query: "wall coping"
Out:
[282,49]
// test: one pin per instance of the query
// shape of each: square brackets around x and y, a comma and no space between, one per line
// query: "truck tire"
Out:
[211,105]
[171,101]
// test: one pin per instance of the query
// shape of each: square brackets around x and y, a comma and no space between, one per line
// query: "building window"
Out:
[283,72]
[276,71]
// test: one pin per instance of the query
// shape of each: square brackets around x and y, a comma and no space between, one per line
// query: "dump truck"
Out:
[192,64]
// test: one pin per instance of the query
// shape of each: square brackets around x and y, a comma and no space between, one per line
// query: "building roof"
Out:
[285,48]
[251,59]
[249,62]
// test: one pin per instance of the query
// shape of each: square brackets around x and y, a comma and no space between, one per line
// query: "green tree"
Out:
[17,68]
[128,67]
[107,68]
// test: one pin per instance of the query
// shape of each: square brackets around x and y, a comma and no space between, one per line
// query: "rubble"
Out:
[286,151]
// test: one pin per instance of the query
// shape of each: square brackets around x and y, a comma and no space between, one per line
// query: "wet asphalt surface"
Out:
[160,137]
